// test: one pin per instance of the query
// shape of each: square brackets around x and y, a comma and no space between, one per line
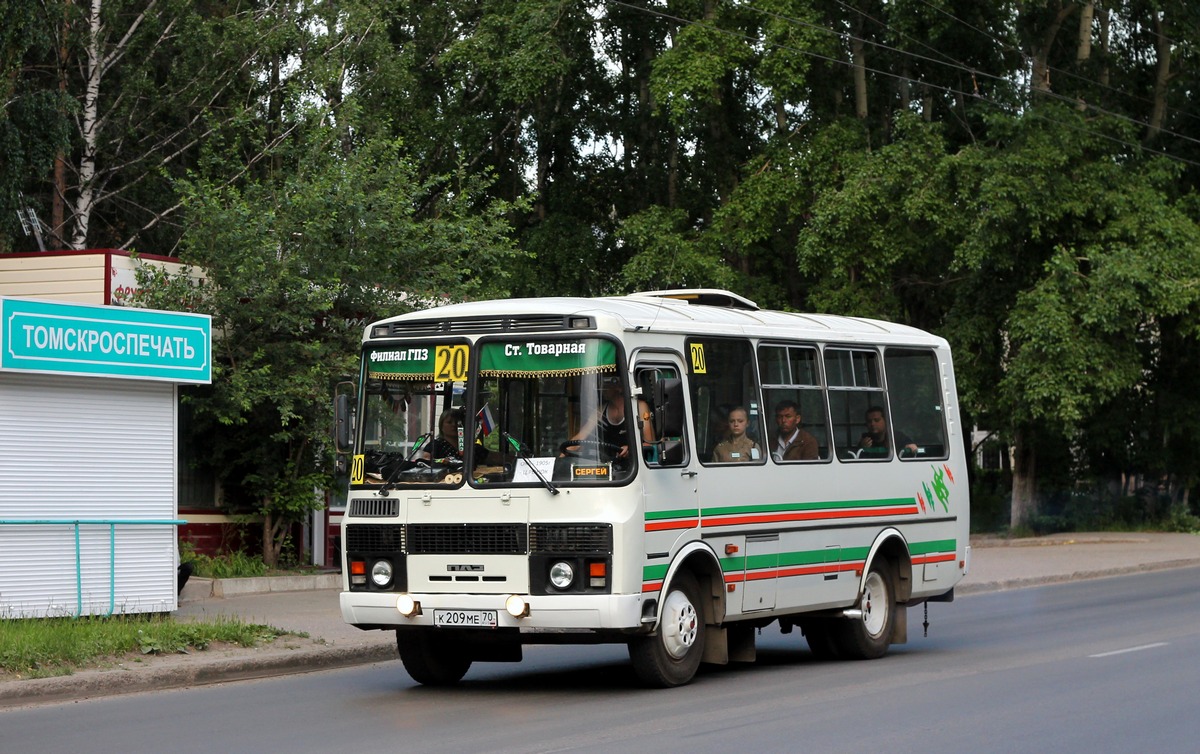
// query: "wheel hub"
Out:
[679,625]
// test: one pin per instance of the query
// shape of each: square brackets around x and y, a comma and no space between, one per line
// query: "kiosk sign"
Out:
[103,341]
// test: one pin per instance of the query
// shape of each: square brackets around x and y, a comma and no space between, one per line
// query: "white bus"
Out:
[586,470]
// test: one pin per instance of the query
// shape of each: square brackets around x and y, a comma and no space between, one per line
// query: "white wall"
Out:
[86,448]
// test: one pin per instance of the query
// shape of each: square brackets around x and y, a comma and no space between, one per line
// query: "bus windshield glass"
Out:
[552,411]
[412,425]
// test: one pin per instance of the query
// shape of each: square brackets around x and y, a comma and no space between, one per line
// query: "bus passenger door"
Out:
[669,481]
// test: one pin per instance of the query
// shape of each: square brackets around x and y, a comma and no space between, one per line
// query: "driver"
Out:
[445,446]
[608,428]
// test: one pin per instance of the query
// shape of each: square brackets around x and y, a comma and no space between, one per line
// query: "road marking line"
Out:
[1130,649]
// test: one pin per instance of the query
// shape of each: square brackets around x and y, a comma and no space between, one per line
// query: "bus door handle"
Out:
[688,473]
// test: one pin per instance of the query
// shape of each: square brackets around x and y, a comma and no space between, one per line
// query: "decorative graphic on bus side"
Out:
[940,492]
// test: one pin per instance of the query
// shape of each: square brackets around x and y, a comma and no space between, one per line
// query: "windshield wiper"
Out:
[404,465]
[523,454]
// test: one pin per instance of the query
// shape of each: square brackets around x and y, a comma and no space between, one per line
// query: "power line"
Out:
[1063,72]
[976,95]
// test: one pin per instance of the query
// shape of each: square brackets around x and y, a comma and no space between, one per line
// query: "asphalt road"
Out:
[1108,665]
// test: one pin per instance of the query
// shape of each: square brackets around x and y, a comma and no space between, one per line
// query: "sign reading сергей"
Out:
[104,341]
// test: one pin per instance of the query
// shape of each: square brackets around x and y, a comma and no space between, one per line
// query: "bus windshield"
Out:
[544,412]
[552,410]
[412,426]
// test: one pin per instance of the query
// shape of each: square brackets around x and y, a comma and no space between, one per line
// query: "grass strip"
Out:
[44,647]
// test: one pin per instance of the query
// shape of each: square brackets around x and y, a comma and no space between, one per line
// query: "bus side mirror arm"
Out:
[668,407]
[343,416]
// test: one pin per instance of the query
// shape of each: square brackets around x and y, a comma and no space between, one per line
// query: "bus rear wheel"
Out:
[868,637]
[430,659]
[671,656]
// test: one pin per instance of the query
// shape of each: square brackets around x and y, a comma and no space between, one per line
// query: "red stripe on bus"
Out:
[819,515]
[798,571]
[668,525]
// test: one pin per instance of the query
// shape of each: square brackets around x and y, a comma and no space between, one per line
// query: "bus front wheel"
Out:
[868,637]
[430,659]
[671,656]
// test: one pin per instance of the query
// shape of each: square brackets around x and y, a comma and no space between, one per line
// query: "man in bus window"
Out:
[792,443]
[876,440]
[738,448]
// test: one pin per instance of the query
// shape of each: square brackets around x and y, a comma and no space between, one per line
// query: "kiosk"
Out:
[88,446]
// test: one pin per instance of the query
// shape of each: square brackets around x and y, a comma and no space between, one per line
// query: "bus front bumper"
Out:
[546,612]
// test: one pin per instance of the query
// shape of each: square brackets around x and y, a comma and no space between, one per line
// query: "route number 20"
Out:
[450,363]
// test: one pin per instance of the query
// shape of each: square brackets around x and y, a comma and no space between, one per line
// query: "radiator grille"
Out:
[375,508]
[375,538]
[468,539]
[571,538]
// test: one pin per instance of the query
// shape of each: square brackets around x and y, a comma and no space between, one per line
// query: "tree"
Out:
[291,267]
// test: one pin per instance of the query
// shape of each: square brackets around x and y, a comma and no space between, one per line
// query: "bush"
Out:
[232,565]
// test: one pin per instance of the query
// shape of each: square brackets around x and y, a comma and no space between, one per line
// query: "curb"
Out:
[998,586]
[117,681]
[199,588]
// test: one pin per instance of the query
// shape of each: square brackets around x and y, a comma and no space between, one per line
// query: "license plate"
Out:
[465,618]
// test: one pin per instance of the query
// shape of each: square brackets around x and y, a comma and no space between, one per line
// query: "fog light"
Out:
[516,606]
[381,573]
[561,574]
[407,606]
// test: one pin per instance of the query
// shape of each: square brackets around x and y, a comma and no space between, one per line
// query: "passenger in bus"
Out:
[738,448]
[608,429]
[792,443]
[877,439]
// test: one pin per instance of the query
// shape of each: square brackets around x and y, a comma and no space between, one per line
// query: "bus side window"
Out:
[792,382]
[855,393]
[915,399]
[723,376]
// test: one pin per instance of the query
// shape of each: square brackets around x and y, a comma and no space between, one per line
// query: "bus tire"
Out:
[671,656]
[868,637]
[430,659]
[820,635]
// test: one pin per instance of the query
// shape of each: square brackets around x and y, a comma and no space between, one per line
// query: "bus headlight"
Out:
[407,606]
[381,573]
[561,574]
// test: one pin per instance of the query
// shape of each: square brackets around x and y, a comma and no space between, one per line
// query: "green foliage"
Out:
[666,256]
[325,163]
[42,647]
[230,565]
[289,268]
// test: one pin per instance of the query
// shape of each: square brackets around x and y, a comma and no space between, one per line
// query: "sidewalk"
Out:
[310,606]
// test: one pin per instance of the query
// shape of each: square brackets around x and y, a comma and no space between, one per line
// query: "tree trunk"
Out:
[58,196]
[1084,50]
[1105,69]
[272,540]
[90,131]
[1162,74]
[1041,55]
[1024,480]
[859,63]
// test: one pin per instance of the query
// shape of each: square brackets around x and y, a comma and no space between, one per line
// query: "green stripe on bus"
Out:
[654,572]
[939,545]
[784,507]
[682,513]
